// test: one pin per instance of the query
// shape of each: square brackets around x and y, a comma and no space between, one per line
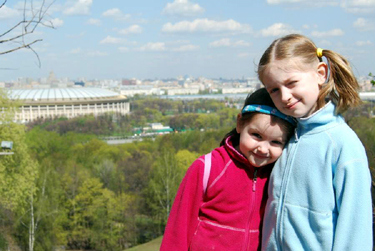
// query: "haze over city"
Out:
[148,39]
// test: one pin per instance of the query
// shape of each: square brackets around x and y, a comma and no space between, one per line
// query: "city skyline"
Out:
[148,39]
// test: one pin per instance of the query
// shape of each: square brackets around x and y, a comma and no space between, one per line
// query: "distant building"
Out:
[129,82]
[238,90]
[67,102]
[182,91]
[79,83]
[132,90]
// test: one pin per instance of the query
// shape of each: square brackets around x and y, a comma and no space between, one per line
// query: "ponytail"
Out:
[342,86]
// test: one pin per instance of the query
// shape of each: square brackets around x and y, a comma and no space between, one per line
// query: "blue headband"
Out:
[268,110]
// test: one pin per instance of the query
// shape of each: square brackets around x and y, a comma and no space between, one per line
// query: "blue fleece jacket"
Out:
[320,189]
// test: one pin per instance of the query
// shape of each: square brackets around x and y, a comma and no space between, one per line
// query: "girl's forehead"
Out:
[287,64]
[286,67]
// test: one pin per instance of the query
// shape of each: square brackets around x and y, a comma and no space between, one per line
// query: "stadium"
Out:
[66,102]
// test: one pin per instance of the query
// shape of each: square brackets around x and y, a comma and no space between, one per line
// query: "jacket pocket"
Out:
[212,236]
[305,229]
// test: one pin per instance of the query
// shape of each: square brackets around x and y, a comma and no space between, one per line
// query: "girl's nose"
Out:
[262,147]
[285,95]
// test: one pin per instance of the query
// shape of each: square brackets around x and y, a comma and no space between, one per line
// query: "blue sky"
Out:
[114,39]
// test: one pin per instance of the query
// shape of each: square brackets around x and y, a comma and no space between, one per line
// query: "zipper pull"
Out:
[255,179]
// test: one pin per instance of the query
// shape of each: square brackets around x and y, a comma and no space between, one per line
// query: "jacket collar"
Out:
[319,120]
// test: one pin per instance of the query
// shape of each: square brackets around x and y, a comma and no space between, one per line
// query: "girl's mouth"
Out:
[260,156]
[291,106]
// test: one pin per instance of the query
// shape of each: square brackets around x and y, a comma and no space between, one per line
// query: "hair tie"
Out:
[319,52]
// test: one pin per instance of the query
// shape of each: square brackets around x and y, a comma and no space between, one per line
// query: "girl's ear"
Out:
[239,123]
[322,73]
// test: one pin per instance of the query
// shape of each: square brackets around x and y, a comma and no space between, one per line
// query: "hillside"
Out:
[153,245]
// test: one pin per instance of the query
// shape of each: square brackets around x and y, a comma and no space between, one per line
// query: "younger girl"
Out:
[320,188]
[228,215]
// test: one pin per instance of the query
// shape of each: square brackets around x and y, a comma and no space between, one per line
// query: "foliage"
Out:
[17,171]
[373,79]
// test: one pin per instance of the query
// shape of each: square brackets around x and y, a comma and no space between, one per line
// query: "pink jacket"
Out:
[229,215]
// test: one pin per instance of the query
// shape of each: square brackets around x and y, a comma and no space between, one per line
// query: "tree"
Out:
[17,171]
[165,178]
[372,79]
[33,16]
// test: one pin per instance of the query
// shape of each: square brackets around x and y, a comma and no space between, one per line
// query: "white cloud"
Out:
[284,1]
[325,43]
[6,12]
[244,55]
[241,43]
[206,25]
[276,30]
[111,40]
[57,22]
[80,7]
[116,14]
[296,3]
[123,49]
[158,46]
[364,24]
[134,29]
[226,42]
[359,6]
[363,43]
[182,8]
[360,23]
[187,47]
[331,33]
[75,51]
[93,21]
[97,54]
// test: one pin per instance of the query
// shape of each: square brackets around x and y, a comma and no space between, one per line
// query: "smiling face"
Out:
[261,139]
[294,90]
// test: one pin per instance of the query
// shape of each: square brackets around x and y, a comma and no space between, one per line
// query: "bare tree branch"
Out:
[3,4]
[32,18]
[21,47]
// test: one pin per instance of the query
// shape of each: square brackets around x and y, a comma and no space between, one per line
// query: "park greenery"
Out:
[66,188]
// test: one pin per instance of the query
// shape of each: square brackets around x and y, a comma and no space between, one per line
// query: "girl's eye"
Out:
[276,142]
[273,90]
[256,135]
[291,83]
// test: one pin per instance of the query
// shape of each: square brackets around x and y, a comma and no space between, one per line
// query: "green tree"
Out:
[17,171]
[372,79]
[185,158]
[165,178]
[93,219]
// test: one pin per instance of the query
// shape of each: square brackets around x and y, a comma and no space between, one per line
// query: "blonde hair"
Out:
[341,87]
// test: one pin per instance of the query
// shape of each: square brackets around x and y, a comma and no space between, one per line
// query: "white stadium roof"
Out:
[61,94]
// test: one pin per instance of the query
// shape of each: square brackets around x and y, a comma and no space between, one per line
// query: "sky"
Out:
[159,39]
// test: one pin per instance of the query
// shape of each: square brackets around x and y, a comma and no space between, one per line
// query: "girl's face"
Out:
[261,140]
[294,89]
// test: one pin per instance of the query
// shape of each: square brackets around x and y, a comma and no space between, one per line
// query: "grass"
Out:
[153,245]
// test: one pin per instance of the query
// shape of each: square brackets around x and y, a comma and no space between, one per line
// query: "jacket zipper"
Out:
[255,179]
[252,208]
[284,184]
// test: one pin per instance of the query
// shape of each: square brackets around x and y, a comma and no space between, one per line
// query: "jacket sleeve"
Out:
[183,218]
[353,197]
